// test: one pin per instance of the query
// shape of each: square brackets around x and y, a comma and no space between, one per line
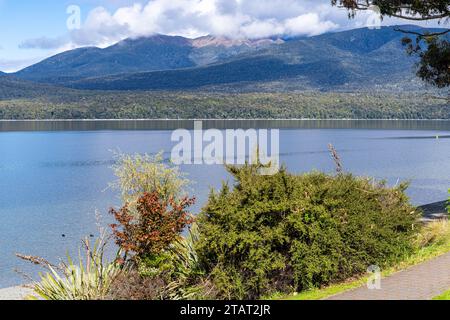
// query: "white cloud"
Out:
[262,29]
[100,28]
[193,18]
[309,23]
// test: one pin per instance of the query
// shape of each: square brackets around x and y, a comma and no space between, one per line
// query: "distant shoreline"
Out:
[242,123]
[220,119]
[434,211]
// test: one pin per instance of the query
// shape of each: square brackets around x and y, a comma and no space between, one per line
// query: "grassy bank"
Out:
[264,236]
[444,296]
[438,246]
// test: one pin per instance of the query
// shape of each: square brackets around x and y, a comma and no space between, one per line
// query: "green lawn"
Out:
[420,256]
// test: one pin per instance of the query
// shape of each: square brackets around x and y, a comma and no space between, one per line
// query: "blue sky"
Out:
[28,19]
[32,30]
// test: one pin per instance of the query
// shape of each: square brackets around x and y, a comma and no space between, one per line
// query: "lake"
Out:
[54,175]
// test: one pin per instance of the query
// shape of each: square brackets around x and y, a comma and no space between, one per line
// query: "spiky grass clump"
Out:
[88,279]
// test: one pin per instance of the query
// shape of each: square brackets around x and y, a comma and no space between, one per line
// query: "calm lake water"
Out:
[54,176]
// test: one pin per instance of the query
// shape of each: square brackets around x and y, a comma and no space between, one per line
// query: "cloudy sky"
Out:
[32,30]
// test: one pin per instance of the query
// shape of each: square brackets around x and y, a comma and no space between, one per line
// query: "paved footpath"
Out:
[420,282]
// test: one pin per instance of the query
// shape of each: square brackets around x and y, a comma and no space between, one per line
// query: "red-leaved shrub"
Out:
[153,226]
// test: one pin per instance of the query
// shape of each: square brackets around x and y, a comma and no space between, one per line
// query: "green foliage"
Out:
[137,174]
[150,228]
[174,274]
[219,105]
[434,233]
[164,264]
[189,280]
[88,279]
[183,254]
[444,296]
[448,202]
[180,266]
[287,233]
[437,242]
[434,63]
[405,9]
[432,47]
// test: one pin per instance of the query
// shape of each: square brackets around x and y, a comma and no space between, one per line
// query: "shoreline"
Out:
[15,293]
[432,211]
[53,125]
[220,119]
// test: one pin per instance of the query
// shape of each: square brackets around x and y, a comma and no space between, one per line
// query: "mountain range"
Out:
[348,60]
[159,52]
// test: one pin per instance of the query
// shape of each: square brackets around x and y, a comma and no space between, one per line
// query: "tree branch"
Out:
[407,11]
[422,18]
[422,35]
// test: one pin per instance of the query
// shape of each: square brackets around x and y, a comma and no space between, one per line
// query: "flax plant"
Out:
[88,279]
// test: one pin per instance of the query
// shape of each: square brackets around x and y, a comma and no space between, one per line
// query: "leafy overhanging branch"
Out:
[433,48]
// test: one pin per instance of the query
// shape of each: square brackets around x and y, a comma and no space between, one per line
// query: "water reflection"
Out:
[162,124]
[54,175]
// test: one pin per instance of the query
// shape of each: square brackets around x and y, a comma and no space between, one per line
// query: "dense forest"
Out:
[72,104]
[334,75]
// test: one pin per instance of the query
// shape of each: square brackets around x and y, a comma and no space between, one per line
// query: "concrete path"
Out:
[421,282]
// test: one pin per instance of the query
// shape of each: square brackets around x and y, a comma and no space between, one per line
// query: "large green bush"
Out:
[286,232]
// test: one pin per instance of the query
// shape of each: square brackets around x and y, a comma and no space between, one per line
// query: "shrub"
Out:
[448,202]
[434,232]
[163,263]
[155,225]
[89,279]
[134,286]
[285,233]
[189,280]
[174,274]
[138,174]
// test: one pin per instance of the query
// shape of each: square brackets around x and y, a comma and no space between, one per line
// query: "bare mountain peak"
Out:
[223,41]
